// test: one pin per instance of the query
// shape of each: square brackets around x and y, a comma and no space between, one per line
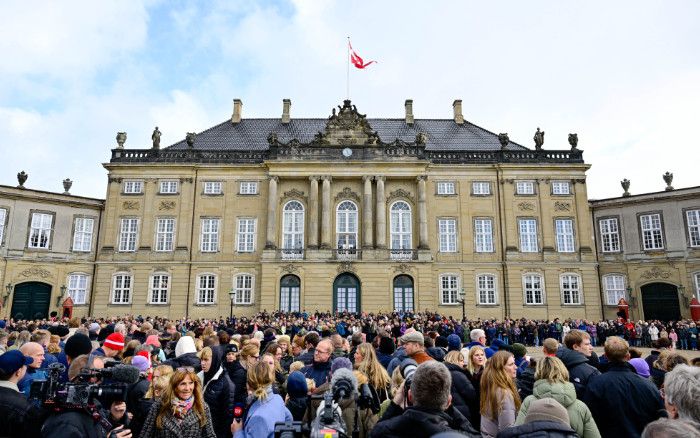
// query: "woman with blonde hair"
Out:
[181,411]
[217,389]
[159,384]
[247,357]
[552,380]
[367,362]
[464,397]
[499,399]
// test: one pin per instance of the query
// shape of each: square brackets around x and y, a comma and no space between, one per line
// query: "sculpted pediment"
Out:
[347,126]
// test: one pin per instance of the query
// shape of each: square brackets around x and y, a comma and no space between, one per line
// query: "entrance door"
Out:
[346,293]
[290,288]
[660,301]
[31,300]
[403,293]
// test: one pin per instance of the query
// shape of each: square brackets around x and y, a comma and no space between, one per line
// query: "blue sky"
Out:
[623,75]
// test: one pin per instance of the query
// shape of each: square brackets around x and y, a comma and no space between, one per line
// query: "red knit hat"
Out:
[115,341]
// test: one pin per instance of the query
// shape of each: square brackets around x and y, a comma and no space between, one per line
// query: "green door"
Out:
[31,300]
[660,301]
[346,294]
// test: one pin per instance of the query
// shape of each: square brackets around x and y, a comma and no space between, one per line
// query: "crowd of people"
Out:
[366,375]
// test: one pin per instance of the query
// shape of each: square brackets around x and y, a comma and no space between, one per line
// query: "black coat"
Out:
[297,406]
[17,419]
[140,413]
[525,382]
[185,360]
[219,394]
[72,425]
[539,429]
[464,397]
[240,382]
[580,372]
[135,393]
[418,422]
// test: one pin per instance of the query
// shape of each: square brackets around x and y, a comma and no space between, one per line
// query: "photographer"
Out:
[429,411]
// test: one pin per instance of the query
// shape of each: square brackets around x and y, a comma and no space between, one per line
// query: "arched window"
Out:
[346,227]
[401,239]
[293,230]
[290,291]
[403,293]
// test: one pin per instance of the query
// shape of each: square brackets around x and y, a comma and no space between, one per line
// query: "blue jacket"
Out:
[318,371]
[262,416]
[33,374]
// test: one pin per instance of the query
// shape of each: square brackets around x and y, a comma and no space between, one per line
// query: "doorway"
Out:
[660,301]
[31,300]
[346,293]
[403,293]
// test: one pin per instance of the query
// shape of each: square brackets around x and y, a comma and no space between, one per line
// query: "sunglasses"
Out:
[185,369]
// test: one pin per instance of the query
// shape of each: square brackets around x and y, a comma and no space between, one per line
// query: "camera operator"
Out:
[16,415]
[430,411]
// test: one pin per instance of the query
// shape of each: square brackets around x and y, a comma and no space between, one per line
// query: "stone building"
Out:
[47,250]
[648,248]
[347,213]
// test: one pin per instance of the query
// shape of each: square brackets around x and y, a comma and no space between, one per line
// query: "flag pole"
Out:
[347,78]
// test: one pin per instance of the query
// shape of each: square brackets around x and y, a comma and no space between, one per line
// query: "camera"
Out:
[293,429]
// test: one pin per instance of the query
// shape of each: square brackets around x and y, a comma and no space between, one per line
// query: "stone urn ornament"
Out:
[121,139]
[668,179]
[67,184]
[22,178]
[190,138]
[625,183]
[503,139]
[573,141]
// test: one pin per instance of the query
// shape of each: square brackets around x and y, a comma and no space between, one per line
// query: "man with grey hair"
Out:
[682,393]
[430,411]
[478,338]
[667,428]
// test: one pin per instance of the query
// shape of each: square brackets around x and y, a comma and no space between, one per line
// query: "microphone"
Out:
[122,373]
[343,384]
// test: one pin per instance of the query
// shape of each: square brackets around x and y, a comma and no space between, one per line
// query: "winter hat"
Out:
[141,363]
[386,345]
[94,327]
[547,409]
[413,337]
[518,350]
[454,343]
[296,385]
[442,342]
[115,341]
[105,332]
[185,345]
[77,345]
[153,340]
[341,362]
[59,330]
[641,366]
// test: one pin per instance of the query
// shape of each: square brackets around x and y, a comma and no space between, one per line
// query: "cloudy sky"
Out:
[624,75]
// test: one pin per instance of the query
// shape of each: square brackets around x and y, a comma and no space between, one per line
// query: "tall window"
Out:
[293,230]
[127,234]
[570,289]
[165,234]
[528,235]
[244,289]
[532,286]
[609,234]
[697,285]
[210,235]
[483,235]
[525,187]
[206,289]
[560,188]
[346,225]
[290,288]
[481,188]
[133,187]
[121,289]
[168,187]
[447,230]
[213,187]
[448,289]
[158,292]
[693,217]
[565,234]
[246,234]
[486,288]
[82,236]
[3,218]
[249,187]
[400,226]
[77,288]
[446,188]
[652,238]
[40,233]
[403,293]
[614,286]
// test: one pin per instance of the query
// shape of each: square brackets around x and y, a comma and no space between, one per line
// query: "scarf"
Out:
[181,407]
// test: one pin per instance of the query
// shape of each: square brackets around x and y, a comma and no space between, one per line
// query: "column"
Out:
[367,213]
[422,214]
[326,213]
[271,213]
[313,212]
[381,213]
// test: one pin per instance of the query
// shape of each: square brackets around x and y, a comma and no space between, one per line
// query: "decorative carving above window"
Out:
[130,205]
[655,273]
[167,205]
[35,272]
[399,194]
[290,268]
[526,206]
[346,267]
[403,268]
[347,193]
[562,206]
[293,194]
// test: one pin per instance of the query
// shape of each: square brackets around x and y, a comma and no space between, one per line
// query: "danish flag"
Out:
[356,59]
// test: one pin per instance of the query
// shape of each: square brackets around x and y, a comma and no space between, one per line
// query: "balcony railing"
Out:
[292,254]
[347,254]
[403,254]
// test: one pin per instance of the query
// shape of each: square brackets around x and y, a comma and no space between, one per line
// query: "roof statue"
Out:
[573,141]
[190,138]
[539,139]
[503,139]
[156,138]
[349,127]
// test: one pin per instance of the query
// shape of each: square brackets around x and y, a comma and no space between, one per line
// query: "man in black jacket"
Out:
[575,356]
[15,412]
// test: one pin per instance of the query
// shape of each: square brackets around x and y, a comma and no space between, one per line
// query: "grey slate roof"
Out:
[251,134]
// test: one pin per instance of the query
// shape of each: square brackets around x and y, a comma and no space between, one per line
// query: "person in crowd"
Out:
[464,397]
[668,428]
[287,357]
[355,340]
[552,381]
[454,343]
[217,389]
[641,367]
[621,402]
[682,393]
[520,353]
[366,361]
[476,362]
[139,389]
[267,408]
[274,350]
[320,368]
[77,345]
[17,418]
[311,340]
[499,399]
[414,345]
[112,346]
[545,418]
[34,371]
[400,352]
[248,356]
[385,350]
[575,352]
[435,352]
[659,345]
[526,380]
[478,338]
[157,388]
[185,355]
[297,395]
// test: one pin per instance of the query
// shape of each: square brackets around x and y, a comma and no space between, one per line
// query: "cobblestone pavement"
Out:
[536,352]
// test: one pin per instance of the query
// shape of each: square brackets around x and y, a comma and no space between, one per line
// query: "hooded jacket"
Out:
[539,429]
[464,397]
[218,393]
[580,372]
[185,355]
[418,422]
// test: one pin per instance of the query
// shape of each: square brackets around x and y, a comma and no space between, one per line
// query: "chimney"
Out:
[286,105]
[457,109]
[237,107]
[409,111]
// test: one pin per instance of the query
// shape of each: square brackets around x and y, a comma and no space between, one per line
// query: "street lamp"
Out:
[231,295]
[461,300]
[61,295]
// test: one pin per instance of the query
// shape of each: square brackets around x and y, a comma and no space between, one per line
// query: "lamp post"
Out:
[231,295]
[61,295]
[461,300]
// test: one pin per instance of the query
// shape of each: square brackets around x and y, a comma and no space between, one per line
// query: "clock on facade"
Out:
[347,152]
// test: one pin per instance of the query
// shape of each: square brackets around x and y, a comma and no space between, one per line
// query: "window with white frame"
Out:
[158,291]
[400,226]
[209,240]
[206,289]
[133,187]
[246,234]
[609,234]
[697,285]
[481,188]
[532,287]
[77,288]
[168,187]
[525,187]
[165,234]
[244,289]
[448,289]
[561,188]
[447,231]
[40,232]
[121,288]
[3,219]
[82,234]
[565,234]
[614,286]
[293,228]
[446,188]
[528,235]
[128,232]
[249,187]
[693,217]
[486,289]
[570,288]
[652,237]
[346,225]
[483,235]
[213,187]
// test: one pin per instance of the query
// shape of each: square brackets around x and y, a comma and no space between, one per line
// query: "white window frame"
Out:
[247,229]
[126,289]
[159,288]
[206,288]
[248,188]
[447,233]
[486,294]
[609,229]
[525,187]
[213,187]
[571,290]
[169,187]
[696,277]
[241,289]
[561,188]
[693,224]
[38,228]
[78,287]
[652,231]
[128,234]
[133,187]
[446,188]
[615,286]
[449,293]
[532,275]
[83,228]
[293,230]
[401,234]
[527,230]
[210,228]
[346,225]
[481,188]
[165,234]
[564,230]
[3,219]
[483,235]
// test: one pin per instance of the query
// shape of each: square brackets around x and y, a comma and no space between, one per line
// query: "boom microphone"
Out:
[343,384]
[122,373]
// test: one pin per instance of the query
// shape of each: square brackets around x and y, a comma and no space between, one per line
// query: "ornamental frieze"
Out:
[290,269]
[526,206]
[399,194]
[402,268]
[347,193]
[346,267]
[562,206]
[166,205]
[130,205]
[655,273]
[35,272]
[292,194]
